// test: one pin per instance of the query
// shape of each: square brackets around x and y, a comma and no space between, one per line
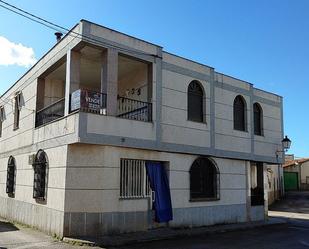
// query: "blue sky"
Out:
[263,42]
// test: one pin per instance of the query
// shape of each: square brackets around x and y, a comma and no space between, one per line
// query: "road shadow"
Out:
[7,227]
[293,202]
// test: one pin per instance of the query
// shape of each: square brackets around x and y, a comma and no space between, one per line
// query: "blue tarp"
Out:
[160,185]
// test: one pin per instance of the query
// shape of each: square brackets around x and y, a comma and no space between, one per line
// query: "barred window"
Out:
[40,175]
[258,119]
[195,102]
[11,173]
[204,180]
[239,113]
[134,181]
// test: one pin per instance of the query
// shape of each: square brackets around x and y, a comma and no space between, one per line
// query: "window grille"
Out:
[195,102]
[39,184]
[239,114]
[204,180]
[134,181]
[258,119]
[10,180]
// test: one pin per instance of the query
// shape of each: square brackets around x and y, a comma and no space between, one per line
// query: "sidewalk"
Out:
[170,233]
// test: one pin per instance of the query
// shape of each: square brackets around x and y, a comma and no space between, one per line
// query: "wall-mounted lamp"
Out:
[286,144]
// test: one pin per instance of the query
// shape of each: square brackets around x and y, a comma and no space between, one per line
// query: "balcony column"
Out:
[40,94]
[109,79]
[72,82]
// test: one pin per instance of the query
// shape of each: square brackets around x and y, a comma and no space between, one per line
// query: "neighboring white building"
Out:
[80,127]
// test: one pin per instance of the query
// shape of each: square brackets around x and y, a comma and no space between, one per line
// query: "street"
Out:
[293,235]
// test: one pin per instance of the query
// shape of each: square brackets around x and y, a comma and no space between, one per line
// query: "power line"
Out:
[27,17]
[57,27]
[32,15]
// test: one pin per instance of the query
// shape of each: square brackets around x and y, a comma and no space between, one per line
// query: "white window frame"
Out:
[134,183]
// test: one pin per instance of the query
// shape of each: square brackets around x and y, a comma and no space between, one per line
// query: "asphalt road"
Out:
[293,235]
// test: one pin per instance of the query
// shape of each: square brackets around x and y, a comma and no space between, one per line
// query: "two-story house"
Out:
[108,133]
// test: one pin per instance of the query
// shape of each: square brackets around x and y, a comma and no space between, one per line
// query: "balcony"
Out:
[94,102]
[88,101]
[134,109]
[50,113]
[127,84]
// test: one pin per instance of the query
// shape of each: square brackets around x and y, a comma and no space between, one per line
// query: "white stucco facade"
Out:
[84,148]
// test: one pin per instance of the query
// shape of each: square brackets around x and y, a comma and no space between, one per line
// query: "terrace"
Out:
[95,80]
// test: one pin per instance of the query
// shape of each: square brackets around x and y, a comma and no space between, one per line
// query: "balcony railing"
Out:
[88,101]
[134,109]
[95,102]
[50,113]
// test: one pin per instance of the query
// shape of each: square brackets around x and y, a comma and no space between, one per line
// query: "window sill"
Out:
[199,122]
[241,130]
[204,199]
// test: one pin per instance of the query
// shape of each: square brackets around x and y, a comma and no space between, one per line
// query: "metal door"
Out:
[290,181]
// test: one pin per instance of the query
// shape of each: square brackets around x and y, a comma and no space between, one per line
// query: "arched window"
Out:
[40,170]
[258,119]
[195,102]
[204,180]
[239,113]
[10,179]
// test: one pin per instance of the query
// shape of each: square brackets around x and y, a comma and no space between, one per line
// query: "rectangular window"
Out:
[17,107]
[134,182]
[1,119]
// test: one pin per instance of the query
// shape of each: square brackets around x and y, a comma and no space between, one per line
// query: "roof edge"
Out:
[48,51]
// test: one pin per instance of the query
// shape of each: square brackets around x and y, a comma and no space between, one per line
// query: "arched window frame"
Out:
[258,119]
[196,102]
[40,167]
[11,177]
[198,173]
[240,113]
